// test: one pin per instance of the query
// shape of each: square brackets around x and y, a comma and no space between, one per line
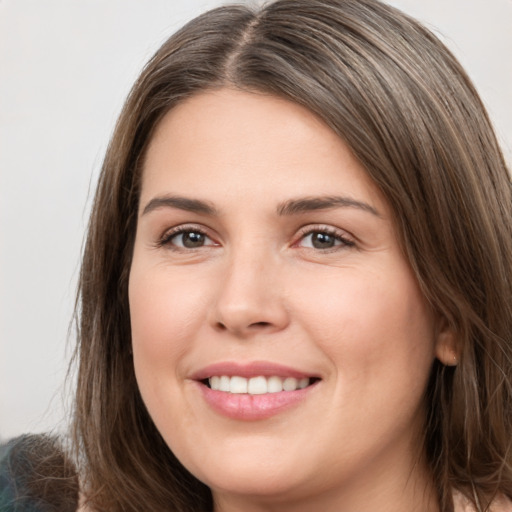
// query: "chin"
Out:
[257,484]
[250,472]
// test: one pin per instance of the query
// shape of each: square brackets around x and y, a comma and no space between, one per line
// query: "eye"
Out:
[186,238]
[324,239]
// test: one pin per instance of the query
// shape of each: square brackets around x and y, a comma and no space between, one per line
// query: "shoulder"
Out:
[82,506]
[501,504]
[462,504]
[7,483]
[35,474]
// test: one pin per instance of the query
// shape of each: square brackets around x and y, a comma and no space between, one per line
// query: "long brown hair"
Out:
[410,114]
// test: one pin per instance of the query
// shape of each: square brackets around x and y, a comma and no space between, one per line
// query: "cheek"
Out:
[164,307]
[375,326]
[164,311]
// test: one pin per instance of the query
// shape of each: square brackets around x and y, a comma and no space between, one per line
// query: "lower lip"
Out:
[247,407]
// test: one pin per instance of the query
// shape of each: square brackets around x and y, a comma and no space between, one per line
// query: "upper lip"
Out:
[248,370]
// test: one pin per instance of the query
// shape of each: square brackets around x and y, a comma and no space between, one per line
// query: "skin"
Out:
[259,289]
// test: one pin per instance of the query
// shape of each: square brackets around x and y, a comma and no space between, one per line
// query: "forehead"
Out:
[228,143]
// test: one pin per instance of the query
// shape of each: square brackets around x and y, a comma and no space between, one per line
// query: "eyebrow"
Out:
[307,204]
[182,203]
[290,207]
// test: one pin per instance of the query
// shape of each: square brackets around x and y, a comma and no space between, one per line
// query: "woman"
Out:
[296,287]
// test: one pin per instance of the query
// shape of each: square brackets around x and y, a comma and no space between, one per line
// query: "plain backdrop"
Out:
[65,69]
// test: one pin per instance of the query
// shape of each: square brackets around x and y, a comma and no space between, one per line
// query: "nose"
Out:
[249,299]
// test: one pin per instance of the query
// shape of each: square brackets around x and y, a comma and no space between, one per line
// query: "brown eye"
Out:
[192,239]
[323,240]
[188,239]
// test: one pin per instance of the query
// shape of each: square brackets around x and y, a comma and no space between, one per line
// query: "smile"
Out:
[259,385]
[253,391]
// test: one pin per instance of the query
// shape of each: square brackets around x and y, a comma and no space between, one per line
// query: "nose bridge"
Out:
[249,297]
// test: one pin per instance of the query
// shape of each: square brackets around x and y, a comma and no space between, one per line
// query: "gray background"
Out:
[65,69]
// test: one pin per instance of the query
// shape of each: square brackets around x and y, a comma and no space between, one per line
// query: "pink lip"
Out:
[253,407]
[245,407]
[248,370]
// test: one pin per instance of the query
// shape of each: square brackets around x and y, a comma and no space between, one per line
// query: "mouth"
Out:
[253,391]
[256,390]
[258,385]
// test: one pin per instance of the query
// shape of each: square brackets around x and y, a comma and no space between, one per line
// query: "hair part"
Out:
[410,114]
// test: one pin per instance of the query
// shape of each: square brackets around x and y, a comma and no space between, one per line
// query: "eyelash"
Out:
[340,236]
[166,239]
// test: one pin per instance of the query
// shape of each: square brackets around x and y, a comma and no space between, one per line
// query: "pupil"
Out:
[322,241]
[193,239]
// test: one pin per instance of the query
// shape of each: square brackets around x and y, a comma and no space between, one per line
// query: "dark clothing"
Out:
[36,476]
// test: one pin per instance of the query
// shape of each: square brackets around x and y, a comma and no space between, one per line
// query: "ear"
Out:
[447,348]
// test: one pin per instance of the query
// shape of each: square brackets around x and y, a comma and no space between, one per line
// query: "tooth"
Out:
[238,385]
[257,386]
[303,383]
[224,383]
[290,384]
[215,382]
[274,385]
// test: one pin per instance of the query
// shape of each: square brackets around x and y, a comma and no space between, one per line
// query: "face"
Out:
[280,341]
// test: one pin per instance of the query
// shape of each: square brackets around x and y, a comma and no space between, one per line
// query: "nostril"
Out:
[260,324]
[255,325]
